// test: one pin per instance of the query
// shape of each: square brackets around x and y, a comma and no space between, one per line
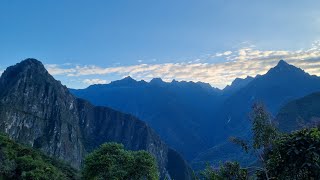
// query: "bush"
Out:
[111,161]
[296,156]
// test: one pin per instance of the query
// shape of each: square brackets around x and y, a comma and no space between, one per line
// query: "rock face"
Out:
[37,110]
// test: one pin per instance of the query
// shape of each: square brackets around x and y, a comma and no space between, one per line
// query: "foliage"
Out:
[282,156]
[264,134]
[296,156]
[242,143]
[264,131]
[20,162]
[227,171]
[112,161]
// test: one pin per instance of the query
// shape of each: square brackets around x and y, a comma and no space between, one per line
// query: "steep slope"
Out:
[176,110]
[300,113]
[37,110]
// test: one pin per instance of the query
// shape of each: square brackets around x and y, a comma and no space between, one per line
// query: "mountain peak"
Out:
[157,81]
[30,62]
[128,78]
[127,81]
[284,67]
[237,84]
[26,68]
[282,63]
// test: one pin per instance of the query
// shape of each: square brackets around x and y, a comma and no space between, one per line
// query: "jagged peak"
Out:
[239,80]
[157,81]
[238,83]
[27,63]
[128,78]
[31,65]
[283,63]
[31,61]
[283,66]
[127,81]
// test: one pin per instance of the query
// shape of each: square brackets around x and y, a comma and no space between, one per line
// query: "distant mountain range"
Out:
[278,86]
[175,110]
[38,111]
[197,119]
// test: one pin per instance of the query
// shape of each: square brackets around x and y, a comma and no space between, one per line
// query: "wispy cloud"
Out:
[245,61]
[94,81]
[226,53]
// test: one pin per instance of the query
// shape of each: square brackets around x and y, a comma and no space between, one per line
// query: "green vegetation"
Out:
[296,156]
[280,156]
[20,162]
[111,161]
[228,170]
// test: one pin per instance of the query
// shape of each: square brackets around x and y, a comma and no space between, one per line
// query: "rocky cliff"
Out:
[37,110]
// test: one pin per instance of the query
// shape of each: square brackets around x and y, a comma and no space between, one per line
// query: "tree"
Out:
[227,171]
[296,156]
[112,161]
[281,156]
[264,134]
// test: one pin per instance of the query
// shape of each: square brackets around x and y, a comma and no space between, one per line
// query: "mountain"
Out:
[197,119]
[236,85]
[300,113]
[277,87]
[21,162]
[176,110]
[37,110]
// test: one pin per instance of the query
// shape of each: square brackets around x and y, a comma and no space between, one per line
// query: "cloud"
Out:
[245,61]
[94,81]
[226,53]
[55,69]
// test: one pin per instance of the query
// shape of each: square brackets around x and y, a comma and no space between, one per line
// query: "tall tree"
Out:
[264,134]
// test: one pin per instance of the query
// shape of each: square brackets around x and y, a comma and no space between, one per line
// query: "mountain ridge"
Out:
[37,110]
[278,86]
[213,115]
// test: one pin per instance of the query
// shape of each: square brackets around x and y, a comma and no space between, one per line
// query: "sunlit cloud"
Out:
[246,61]
[94,81]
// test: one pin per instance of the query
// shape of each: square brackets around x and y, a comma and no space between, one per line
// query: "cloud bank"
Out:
[246,61]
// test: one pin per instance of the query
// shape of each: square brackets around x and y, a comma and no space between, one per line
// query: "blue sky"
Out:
[84,42]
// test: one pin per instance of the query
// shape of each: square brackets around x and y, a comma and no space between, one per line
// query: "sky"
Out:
[84,42]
